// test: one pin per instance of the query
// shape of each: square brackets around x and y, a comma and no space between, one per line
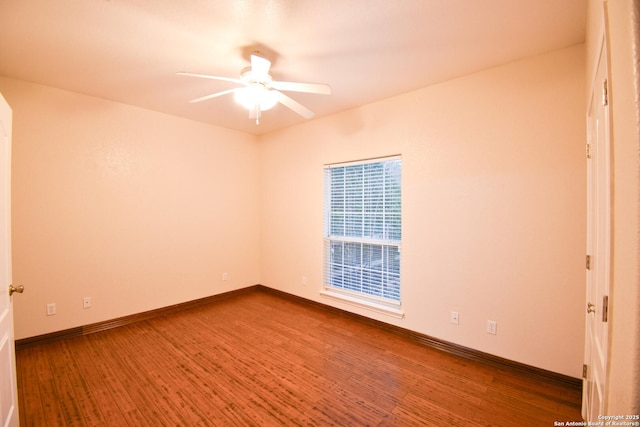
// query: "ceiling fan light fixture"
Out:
[256,95]
[261,92]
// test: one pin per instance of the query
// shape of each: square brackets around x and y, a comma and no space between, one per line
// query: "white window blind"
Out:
[363,228]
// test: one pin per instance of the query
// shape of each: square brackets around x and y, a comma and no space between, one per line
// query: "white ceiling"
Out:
[129,50]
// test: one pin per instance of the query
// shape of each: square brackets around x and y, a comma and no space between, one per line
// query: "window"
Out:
[362,230]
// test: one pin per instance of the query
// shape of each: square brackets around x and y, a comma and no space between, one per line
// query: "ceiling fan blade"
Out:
[260,66]
[214,95]
[318,88]
[206,76]
[295,106]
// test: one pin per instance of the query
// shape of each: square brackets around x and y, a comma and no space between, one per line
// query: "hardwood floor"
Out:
[261,360]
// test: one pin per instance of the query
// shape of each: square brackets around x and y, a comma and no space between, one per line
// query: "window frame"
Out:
[384,242]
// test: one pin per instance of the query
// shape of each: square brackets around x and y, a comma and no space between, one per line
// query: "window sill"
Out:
[378,308]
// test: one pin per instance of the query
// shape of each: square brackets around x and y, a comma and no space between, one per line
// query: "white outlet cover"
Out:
[455,318]
[492,327]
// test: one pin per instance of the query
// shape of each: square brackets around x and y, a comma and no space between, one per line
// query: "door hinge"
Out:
[588,263]
[585,369]
[605,93]
[588,151]
[605,308]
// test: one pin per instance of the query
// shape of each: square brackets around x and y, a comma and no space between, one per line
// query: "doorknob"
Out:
[591,308]
[19,289]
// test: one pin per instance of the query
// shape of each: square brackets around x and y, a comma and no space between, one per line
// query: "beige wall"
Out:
[133,208]
[493,206]
[623,393]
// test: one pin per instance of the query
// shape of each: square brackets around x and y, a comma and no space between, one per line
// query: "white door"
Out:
[598,243]
[8,389]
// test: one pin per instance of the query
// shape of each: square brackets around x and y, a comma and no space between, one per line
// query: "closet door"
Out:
[598,243]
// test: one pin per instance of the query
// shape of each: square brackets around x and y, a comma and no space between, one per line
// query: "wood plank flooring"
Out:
[261,360]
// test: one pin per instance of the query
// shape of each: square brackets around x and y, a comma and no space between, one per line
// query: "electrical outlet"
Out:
[455,319]
[51,309]
[304,281]
[86,302]
[492,327]
[225,276]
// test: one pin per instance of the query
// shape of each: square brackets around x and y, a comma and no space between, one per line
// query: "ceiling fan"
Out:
[260,92]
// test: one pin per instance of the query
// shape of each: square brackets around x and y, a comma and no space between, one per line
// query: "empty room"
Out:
[320,213]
